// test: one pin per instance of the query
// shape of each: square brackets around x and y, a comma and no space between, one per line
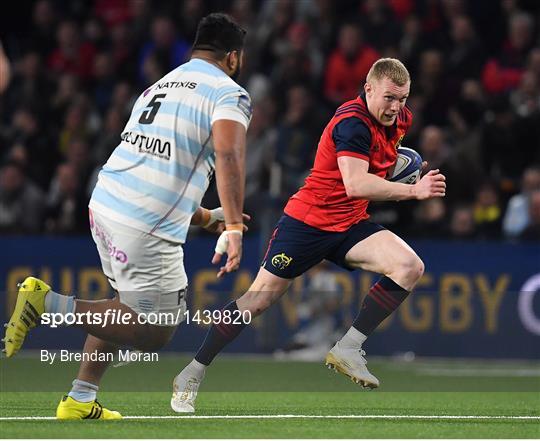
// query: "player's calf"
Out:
[256,302]
[263,293]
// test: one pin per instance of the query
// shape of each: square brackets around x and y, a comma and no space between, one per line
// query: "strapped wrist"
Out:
[234,227]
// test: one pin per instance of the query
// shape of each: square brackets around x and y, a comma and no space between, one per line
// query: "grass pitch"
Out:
[258,398]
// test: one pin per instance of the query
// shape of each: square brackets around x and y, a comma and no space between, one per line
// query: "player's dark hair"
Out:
[219,33]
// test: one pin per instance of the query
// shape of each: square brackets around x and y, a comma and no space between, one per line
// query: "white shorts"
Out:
[146,271]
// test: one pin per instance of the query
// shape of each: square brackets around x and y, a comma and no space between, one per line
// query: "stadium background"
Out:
[76,68]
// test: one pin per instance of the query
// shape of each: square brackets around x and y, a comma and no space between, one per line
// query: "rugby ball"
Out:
[408,166]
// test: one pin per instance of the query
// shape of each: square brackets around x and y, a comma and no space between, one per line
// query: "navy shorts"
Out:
[295,247]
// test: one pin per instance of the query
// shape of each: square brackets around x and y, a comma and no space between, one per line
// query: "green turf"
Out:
[264,387]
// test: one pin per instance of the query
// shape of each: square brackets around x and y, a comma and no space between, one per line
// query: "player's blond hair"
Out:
[391,68]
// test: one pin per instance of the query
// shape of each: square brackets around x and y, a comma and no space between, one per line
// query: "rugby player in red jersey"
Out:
[327,219]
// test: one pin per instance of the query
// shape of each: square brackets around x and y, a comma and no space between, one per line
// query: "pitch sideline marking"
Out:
[241,417]
[474,372]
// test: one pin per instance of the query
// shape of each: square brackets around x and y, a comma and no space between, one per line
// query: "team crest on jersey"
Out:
[281,261]
[398,143]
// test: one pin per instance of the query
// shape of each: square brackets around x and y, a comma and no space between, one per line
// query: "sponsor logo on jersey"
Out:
[148,144]
[176,85]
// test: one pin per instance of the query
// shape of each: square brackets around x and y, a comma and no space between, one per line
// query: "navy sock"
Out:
[383,298]
[218,336]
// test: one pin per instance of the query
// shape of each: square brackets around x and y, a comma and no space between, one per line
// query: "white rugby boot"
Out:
[351,362]
[185,388]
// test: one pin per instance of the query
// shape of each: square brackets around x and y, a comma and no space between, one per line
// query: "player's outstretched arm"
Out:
[359,183]
[230,146]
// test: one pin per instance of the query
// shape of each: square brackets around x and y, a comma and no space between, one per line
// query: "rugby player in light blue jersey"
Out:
[187,125]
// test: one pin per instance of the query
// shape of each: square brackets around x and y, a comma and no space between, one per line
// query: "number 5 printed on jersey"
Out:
[148,115]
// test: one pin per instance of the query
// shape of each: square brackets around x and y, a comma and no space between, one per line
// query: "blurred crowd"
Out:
[75,69]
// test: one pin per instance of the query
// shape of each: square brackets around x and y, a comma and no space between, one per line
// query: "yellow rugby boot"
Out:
[70,409]
[28,309]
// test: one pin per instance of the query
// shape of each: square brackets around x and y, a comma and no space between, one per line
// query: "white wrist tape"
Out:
[223,241]
[216,215]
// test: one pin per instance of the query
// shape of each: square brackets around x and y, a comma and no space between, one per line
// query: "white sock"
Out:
[59,303]
[83,391]
[196,369]
[353,339]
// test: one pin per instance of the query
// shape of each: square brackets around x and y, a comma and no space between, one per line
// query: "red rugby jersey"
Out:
[322,202]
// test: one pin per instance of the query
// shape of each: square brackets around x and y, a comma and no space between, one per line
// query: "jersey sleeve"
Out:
[233,104]
[352,138]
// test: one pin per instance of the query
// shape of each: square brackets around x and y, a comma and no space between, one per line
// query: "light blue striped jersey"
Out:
[156,177]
